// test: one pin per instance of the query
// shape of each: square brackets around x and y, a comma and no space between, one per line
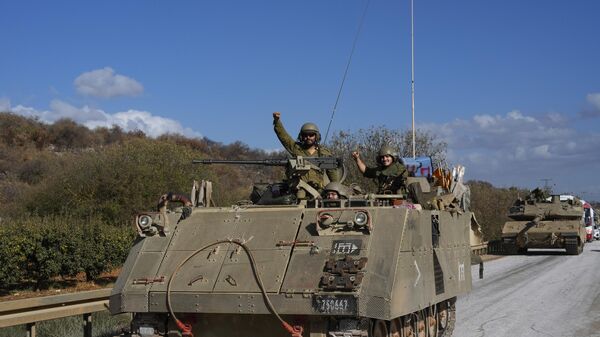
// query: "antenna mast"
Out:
[412,82]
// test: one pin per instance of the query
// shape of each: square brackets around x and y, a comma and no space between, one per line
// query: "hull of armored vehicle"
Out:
[543,221]
[387,268]
[518,236]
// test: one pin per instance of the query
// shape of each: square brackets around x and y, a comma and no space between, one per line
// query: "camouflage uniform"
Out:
[388,179]
[314,177]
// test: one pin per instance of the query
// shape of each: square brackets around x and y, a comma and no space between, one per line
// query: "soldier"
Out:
[335,190]
[306,145]
[390,175]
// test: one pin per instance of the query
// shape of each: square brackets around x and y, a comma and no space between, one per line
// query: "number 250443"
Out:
[333,305]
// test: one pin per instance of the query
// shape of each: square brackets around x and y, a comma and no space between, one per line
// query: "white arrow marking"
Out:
[418,273]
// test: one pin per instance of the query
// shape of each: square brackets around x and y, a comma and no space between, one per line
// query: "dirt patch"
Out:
[59,286]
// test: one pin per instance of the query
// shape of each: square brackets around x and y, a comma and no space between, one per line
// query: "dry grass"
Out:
[59,286]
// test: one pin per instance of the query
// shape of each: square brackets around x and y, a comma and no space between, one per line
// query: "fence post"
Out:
[31,330]
[87,325]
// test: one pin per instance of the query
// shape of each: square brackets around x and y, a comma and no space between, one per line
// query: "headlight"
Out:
[144,221]
[361,218]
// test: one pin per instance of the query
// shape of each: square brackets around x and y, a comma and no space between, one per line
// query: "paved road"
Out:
[545,293]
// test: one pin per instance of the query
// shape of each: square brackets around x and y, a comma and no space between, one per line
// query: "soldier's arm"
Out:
[362,167]
[284,137]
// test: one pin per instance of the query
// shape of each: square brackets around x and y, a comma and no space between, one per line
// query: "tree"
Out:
[369,141]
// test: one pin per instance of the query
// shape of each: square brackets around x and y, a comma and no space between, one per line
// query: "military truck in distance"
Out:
[542,221]
[370,265]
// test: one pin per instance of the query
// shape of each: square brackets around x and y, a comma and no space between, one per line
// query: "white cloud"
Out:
[129,120]
[484,121]
[105,83]
[594,100]
[542,151]
[153,126]
[518,149]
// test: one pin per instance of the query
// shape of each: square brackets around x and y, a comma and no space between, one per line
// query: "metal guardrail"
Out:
[32,310]
[493,247]
[480,249]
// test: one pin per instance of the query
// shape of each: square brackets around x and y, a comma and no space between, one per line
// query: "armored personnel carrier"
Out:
[366,265]
[542,221]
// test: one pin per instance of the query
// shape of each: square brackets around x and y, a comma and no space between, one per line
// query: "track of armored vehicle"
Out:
[374,265]
[541,222]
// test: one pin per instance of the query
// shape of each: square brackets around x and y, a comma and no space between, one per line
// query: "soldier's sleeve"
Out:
[334,175]
[284,137]
[403,172]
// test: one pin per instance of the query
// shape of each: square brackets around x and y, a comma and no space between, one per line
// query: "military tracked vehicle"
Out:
[542,221]
[369,265]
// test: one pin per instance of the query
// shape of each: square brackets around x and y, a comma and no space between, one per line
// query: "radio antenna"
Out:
[412,75]
[362,19]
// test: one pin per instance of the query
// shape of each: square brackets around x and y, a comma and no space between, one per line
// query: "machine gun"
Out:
[295,168]
[298,163]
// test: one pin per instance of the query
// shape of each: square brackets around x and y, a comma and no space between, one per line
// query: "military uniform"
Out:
[315,178]
[389,179]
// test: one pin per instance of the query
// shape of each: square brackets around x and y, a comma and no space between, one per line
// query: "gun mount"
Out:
[296,168]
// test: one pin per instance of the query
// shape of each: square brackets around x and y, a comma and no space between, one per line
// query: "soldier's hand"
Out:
[355,155]
[276,115]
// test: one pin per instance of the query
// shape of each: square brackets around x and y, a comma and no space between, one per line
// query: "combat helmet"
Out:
[338,187]
[308,128]
[386,151]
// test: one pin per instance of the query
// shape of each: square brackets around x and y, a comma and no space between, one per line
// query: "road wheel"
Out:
[409,326]
[380,329]
[432,322]
[443,316]
[421,326]
[396,328]
[446,317]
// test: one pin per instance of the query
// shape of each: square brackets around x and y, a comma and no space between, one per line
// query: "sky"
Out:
[513,87]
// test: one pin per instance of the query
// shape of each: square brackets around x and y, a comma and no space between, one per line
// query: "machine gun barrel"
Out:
[265,162]
[324,163]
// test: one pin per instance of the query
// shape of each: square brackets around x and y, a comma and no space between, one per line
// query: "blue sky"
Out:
[512,86]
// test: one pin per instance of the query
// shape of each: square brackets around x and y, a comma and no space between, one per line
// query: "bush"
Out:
[39,249]
[490,204]
[116,182]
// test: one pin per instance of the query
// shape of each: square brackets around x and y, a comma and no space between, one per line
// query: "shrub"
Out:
[116,182]
[39,249]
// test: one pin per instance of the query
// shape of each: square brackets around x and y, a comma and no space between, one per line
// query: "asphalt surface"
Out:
[545,293]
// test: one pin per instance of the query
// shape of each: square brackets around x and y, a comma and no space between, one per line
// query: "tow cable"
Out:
[186,328]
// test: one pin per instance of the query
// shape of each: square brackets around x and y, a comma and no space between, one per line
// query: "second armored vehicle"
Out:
[542,221]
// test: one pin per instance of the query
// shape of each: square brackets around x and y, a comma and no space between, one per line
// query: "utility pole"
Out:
[547,186]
